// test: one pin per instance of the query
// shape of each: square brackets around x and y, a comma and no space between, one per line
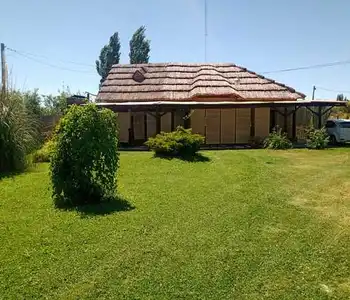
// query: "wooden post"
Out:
[172,120]
[187,121]
[158,121]
[285,125]
[145,125]
[294,125]
[252,123]
[131,130]
[3,68]
[319,117]
[272,119]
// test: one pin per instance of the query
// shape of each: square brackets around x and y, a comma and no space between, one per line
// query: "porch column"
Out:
[294,125]
[158,121]
[187,121]
[252,123]
[285,115]
[131,129]
[320,117]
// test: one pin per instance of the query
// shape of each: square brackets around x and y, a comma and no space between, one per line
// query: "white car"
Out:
[338,130]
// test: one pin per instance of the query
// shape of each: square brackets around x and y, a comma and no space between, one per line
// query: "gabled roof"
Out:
[190,82]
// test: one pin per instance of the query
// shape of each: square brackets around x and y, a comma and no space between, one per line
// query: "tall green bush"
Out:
[84,160]
[19,132]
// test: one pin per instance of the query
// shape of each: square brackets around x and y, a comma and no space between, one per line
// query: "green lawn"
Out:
[247,224]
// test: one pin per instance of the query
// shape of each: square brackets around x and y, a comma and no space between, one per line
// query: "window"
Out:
[345,124]
[330,124]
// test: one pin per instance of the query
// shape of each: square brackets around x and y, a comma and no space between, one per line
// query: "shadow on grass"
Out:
[112,205]
[4,175]
[192,158]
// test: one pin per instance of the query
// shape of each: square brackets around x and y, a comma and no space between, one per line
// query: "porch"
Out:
[222,123]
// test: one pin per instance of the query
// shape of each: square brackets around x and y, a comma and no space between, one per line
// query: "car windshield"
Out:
[345,124]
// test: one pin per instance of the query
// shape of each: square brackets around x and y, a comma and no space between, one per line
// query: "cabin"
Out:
[226,103]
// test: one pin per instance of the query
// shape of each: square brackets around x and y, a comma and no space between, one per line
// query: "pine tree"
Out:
[109,55]
[139,47]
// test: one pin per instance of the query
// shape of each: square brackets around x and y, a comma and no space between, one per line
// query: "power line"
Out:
[331,90]
[48,58]
[331,64]
[48,64]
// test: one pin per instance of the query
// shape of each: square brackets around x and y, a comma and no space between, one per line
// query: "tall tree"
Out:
[32,102]
[109,55]
[341,97]
[139,47]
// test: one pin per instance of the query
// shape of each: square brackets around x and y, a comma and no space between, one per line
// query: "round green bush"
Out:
[84,158]
[181,142]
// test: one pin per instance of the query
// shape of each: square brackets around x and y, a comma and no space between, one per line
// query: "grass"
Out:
[251,224]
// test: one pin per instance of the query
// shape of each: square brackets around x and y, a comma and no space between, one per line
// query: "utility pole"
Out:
[205,30]
[3,68]
[313,92]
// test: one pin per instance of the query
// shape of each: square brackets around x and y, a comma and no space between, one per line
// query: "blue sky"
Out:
[259,35]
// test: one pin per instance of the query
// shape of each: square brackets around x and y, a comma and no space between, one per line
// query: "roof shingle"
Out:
[179,81]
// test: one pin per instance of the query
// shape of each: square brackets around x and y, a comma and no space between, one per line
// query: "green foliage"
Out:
[84,159]
[139,47]
[109,55]
[341,112]
[32,102]
[56,105]
[341,97]
[316,138]
[181,142]
[277,140]
[19,132]
[44,153]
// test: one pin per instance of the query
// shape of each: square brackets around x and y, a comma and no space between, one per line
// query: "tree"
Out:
[55,105]
[32,102]
[341,97]
[109,55]
[139,47]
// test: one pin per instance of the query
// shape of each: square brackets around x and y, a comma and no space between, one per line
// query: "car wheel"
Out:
[332,140]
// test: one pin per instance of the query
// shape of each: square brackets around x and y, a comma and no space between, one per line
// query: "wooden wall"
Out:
[198,121]
[151,126]
[230,126]
[212,129]
[219,126]
[242,125]
[124,125]
[139,125]
[262,122]
[165,122]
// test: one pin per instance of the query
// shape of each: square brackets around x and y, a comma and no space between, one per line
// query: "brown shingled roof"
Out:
[180,81]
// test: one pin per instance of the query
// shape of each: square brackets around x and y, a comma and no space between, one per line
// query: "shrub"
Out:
[316,138]
[19,132]
[277,140]
[85,158]
[44,153]
[181,142]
